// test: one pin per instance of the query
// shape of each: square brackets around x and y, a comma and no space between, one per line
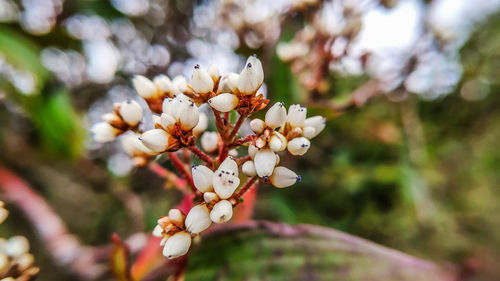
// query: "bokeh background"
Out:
[415,167]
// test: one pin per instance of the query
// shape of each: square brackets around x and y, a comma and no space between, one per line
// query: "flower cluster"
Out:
[178,123]
[16,263]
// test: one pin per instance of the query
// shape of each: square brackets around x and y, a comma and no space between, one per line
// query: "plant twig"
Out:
[202,155]
[249,184]
[236,128]
[182,170]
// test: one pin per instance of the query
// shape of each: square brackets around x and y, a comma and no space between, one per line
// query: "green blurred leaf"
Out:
[274,251]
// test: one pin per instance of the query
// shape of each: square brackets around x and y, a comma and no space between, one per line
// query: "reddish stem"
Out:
[236,127]
[202,155]
[241,141]
[171,177]
[226,118]
[182,170]
[249,184]
[219,123]
[243,159]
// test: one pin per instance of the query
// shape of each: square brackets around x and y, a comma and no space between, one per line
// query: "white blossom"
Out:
[156,140]
[317,122]
[224,102]
[202,124]
[164,84]
[177,245]
[221,212]
[198,219]
[209,196]
[213,71]
[276,115]
[104,132]
[298,146]
[251,77]
[296,115]
[225,180]
[283,177]
[189,117]
[257,126]
[201,80]
[264,161]
[131,112]
[248,168]
[144,87]
[202,178]
[210,141]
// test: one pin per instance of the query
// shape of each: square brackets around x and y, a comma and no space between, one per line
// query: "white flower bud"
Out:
[233,152]
[228,83]
[248,169]
[225,180]
[164,84]
[16,246]
[103,132]
[264,161]
[167,105]
[283,177]
[110,117]
[309,132]
[251,77]
[298,146]
[189,117]
[276,115]
[209,196]
[178,105]
[202,124]
[201,81]
[252,150]
[177,245]
[24,262]
[317,122]
[156,120]
[144,87]
[181,83]
[176,216]
[131,112]
[275,143]
[164,241]
[202,178]
[284,141]
[224,102]
[257,126]
[213,71]
[198,219]
[156,140]
[210,141]
[167,121]
[131,144]
[260,142]
[296,115]
[221,212]
[157,231]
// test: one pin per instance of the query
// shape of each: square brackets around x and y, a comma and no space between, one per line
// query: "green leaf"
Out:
[275,251]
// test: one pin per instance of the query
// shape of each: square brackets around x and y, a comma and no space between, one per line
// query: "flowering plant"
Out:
[178,122]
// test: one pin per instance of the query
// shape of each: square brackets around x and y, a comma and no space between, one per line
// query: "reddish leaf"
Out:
[119,259]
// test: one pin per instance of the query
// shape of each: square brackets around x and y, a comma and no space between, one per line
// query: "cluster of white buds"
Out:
[126,116]
[217,189]
[16,263]
[280,131]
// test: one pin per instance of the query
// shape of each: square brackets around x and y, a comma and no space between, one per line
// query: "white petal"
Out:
[156,140]
[164,84]
[16,246]
[167,121]
[248,168]
[309,132]
[189,117]
[221,212]
[202,124]
[213,71]
[131,112]
[298,146]
[202,178]
[198,219]
[257,126]
[228,83]
[284,141]
[296,115]
[264,161]
[275,143]
[209,196]
[283,177]
[176,216]
[224,102]
[201,80]
[181,83]
[131,144]
[103,132]
[158,231]
[177,245]
[110,117]
[178,105]
[276,115]
[251,77]
[144,87]
[252,150]
[209,141]
[318,122]
[229,165]
[167,105]
[225,183]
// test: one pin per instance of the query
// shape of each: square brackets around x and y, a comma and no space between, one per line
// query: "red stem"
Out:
[202,155]
[241,141]
[182,170]
[218,122]
[236,127]
[249,184]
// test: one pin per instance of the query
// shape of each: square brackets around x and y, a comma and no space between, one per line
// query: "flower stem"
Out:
[202,155]
[236,127]
[249,184]
[182,170]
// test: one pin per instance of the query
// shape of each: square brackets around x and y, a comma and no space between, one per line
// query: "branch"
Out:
[236,128]
[249,184]
[182,170]
[202,155]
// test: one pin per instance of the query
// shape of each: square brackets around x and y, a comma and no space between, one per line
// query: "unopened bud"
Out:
[189,117]
[276,115]
[283,177]
[298,146]
[202,178]
[201,81]
[214,73]
[131,112]
[264,161]
[221,212]
[177,245]
[210,141]
[224,102]
[104,132]
[156,140]
[144,87]
[257,126]
[251,77]
[248,169]
[198,219]
[296,115]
